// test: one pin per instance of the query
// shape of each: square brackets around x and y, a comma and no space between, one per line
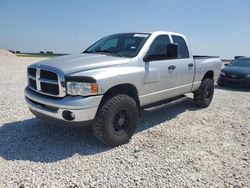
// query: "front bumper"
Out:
[48,108]
[235,82]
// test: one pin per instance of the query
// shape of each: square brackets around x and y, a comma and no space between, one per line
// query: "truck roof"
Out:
[165,32]
[156,32]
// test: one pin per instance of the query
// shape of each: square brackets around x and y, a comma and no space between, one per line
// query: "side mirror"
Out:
[173,50]
[147,58]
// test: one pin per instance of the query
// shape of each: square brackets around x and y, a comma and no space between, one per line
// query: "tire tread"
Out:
[198,95]
[97,126]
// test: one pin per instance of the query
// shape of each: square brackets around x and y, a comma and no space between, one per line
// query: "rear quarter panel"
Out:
[203,65]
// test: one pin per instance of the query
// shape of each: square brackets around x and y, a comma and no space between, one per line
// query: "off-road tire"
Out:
[204,95]
[103,125]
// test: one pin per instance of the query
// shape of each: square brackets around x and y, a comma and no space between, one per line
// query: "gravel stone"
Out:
[180,146]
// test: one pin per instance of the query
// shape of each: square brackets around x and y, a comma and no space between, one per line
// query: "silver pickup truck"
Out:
[108,84]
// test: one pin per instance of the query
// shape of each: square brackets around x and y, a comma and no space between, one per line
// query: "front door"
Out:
[159,76]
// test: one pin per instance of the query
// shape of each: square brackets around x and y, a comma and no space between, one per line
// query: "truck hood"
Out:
[236,70]
[75,63]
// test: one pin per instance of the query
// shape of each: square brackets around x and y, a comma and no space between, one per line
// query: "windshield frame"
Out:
[133,33]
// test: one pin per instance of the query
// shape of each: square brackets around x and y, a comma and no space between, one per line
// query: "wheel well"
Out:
[128,89]
[209,74]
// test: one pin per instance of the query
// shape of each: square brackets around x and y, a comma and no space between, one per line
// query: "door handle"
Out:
[190,65]
[172,67]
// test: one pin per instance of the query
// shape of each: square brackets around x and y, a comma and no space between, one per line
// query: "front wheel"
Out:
[116,120]
[204,95]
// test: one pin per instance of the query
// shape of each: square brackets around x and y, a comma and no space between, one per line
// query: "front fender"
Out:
[109,77]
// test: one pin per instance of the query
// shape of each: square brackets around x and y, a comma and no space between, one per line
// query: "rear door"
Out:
[185,66]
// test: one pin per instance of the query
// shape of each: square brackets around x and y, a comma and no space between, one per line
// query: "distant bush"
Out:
[12,51]
[42,52]
[49,52]
[18,52]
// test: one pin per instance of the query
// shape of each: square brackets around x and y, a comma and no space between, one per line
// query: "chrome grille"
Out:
[48,75]
[46,80]
[32,71]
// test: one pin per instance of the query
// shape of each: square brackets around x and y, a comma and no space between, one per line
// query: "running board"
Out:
[164,104]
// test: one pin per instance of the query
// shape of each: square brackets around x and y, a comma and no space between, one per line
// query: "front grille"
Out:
[48,75]
[32,83]
[240,83]
[32,71]
[46,82]
[234,76]
[50,88]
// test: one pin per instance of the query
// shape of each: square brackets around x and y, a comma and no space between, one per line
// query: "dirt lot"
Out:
[178,146]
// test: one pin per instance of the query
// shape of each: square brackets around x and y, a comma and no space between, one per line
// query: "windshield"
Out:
[241,63]
[123,45]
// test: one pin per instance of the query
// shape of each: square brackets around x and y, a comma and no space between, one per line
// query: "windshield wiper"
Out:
[88,52]
[107,51]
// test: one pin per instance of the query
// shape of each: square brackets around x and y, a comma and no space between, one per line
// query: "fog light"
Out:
[67,115]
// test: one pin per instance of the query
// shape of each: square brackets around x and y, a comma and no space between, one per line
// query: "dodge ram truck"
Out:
[109,84]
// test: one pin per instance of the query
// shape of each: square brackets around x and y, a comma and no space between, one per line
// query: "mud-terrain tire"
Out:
[116,120]
[204,95]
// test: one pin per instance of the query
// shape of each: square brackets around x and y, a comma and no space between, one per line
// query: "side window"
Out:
[159,45]
[112,43]
[183,49]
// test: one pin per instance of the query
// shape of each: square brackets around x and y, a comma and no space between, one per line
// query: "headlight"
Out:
[222,73]
[248,75]
[80,88]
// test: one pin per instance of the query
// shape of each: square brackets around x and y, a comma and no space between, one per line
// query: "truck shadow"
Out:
[36,141]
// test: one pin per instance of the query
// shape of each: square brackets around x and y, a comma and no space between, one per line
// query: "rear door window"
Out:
[183,49]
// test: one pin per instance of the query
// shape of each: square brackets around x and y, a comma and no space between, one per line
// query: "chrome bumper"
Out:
[83,108]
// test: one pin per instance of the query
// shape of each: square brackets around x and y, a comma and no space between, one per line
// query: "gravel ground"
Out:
[180,146]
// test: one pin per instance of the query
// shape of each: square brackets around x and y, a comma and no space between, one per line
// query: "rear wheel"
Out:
[204,95]
[116,120]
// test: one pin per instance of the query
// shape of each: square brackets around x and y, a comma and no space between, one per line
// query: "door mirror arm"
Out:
[147,58]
